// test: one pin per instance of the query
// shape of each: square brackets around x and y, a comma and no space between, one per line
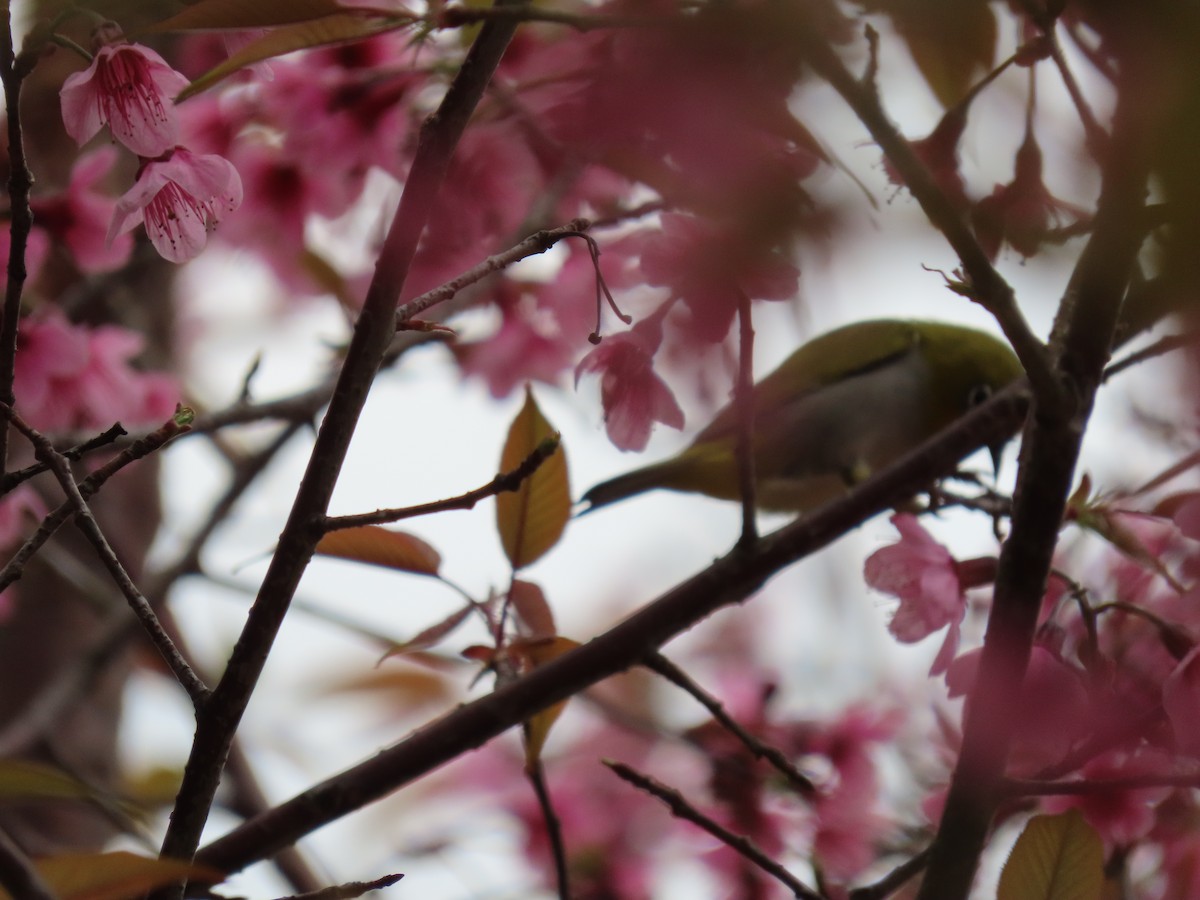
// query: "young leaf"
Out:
[336,29]
[115,876]
[1055,858]
[430,636]
[951,43]
[537,728]
[381,547]
[531,519]
[529,603]
[22,778]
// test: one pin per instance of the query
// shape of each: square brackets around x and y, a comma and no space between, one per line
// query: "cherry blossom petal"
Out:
[129,88]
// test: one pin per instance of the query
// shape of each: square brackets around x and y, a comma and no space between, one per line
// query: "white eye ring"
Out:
[978,395]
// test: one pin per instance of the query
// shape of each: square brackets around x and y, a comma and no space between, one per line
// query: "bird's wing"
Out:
[831,357]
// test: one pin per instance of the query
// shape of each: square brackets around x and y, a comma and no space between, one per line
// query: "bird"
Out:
[840,408]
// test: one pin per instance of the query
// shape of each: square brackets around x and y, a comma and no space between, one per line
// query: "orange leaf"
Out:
[529,603]
[428,637]
[538,727]
[381,547]
[531,519]
[114,876]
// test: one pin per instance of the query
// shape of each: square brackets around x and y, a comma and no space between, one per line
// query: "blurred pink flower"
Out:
[130,88]
[1021,212]
[77,218]
[69,377]
[1056,707]
[925,577]
[180,197]
[17,512]
[848,821]
[708,268]
[1181,700]
[1120,816]
[633,395]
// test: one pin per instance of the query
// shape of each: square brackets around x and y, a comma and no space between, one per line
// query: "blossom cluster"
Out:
[179,196]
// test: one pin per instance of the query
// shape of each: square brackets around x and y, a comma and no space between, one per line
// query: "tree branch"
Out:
[373,332]
[730,580]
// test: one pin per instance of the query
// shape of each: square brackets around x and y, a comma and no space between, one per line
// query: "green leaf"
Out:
[32,780]
[531,519]
[1055,858]
[114,876]
[342,28]
[952,43]
[382,547]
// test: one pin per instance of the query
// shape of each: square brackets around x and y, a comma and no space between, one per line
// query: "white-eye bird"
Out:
[840,408]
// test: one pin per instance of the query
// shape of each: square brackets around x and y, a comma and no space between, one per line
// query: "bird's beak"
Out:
[997,454]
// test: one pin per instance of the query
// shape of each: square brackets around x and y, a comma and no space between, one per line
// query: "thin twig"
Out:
[372,336]
[505,481]
[739,843]
[143,447]
[743,395]
[457,16]
[1161,347]
[17,873]
[890,883]
[536,243]
[40,713]
[86,522]
[731,579]
[660,665]
[74,454]
[985,284]
[20,182]
[536,774]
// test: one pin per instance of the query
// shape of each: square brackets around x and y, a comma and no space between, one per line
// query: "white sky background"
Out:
[426,435]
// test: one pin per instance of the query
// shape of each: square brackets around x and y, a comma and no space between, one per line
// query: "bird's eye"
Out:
[978,395]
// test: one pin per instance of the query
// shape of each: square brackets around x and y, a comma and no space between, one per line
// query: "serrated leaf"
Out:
[381,547]
[431,635]
[336,29]
[114,876]
[1056,858]
[32,780]
[537,728]
[531,519]
[231,15]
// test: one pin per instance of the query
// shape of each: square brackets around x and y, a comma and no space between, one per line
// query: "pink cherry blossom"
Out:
[1121,817]
[18,510]
[129,88]
[180,197]
[633,395]
[926,579]
[77,217]
[1054,702]
[69,377]
[1021,212]
[1181,700]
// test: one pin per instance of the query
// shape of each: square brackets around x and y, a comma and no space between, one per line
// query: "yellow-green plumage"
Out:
[844,405]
